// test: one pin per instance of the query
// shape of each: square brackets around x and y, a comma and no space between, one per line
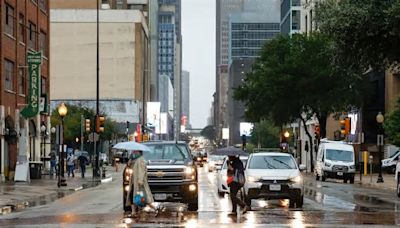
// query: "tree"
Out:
[295,78]
[392,125]
[266,133]
[72,123]
[366,32]
[209,132]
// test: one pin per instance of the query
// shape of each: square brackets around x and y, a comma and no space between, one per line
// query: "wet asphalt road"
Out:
[329,203]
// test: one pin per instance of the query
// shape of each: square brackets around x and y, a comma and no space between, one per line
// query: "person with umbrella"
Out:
[140,182]
[235,174]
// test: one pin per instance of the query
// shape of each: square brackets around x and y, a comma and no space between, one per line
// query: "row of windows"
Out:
[255,26]
[165,67]
[245,52]
[165,51]
[165,43]
[254,35]
[165,59]
[9,67]
[166,35]
[247,43]
[23,31]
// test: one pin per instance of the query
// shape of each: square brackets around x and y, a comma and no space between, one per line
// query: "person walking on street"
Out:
[140,182]
[129,193]
[70,163]
[53,163]
[235,167]
[82,163]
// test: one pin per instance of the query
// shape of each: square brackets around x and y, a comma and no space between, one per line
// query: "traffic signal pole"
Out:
[96,166]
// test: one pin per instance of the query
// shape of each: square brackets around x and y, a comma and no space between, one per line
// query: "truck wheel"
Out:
[299,202]
[193,206]
[398,186]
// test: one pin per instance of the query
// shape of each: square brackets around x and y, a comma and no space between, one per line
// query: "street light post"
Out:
[379,119]
[62,111]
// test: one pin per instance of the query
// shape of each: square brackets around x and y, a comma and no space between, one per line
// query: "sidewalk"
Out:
[19,195]
[389,181]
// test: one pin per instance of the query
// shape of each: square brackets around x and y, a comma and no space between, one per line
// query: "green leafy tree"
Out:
[72,123]
[392,125]
[209,132]
[266,134]
[366,32]
[295,78]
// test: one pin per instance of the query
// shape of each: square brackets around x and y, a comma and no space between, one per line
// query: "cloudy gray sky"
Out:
[198,31]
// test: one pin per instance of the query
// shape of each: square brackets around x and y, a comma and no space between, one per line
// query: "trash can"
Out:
[35,169]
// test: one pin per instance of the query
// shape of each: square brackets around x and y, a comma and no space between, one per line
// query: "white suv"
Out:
[273,175]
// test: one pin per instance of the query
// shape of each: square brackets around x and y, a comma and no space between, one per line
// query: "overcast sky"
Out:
[198,31]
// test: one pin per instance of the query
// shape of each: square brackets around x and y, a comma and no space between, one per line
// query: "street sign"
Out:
[93,137]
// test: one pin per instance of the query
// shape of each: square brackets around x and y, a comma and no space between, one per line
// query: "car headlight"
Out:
[327,164]
[297,179]
[352,167]
[189,170]
[253,179]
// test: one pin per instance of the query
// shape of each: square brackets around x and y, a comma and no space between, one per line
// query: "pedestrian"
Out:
[235,167]
[129,193]
[83,161]
[53,163]
[140,182]
[70,164]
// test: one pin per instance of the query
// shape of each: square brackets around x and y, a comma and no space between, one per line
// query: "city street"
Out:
[330,203]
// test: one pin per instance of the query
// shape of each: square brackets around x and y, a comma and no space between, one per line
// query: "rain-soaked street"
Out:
[329,203]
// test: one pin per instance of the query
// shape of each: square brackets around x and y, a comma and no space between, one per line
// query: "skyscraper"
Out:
[185,101]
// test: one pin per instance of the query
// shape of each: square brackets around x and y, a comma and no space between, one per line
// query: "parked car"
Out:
[389,164]
[273,175]
[171,173]
[222,176]
[335,160]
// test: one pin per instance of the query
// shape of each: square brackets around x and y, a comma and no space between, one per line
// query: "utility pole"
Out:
[82,126]
[96,169]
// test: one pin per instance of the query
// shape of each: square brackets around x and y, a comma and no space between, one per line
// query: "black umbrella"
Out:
[230,151]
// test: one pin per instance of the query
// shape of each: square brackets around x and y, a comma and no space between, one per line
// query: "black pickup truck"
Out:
[171,173]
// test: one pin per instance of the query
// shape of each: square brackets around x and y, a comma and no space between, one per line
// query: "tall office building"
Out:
[223,9]
[185,101]
[248,31]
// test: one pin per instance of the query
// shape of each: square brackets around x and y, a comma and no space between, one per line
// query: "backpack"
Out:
[239,178]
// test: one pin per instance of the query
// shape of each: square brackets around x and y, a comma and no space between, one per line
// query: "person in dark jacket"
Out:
[235,164]
[82,163]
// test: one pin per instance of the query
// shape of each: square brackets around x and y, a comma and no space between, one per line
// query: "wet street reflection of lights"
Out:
[191,223]
[250,220]
[284,202]
[298,220]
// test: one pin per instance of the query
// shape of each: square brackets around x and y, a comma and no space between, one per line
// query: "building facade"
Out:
[24,27]
[185,101]
[248,32]
[124,49]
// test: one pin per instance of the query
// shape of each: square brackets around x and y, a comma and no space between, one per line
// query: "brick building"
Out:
[24,27]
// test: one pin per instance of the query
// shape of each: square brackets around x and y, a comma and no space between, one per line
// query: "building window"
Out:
[21,81]
[43,85]
[22,28]
[9,20]
[43,43]
[43,5]
[32,35]
[9,75]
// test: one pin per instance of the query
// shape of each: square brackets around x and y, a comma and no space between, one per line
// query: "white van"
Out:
[335,160]
[389,164]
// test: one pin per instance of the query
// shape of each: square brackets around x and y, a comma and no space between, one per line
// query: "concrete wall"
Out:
[73,50]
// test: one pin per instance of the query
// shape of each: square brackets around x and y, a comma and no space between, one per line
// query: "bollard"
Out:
[371,158]
[365,158]
[103,172]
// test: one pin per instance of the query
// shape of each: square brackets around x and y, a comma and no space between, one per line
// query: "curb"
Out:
[106,180]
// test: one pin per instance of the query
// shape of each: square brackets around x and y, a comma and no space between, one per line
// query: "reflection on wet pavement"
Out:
[325,203]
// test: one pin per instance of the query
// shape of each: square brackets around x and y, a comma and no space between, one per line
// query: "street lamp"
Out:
[286,134]
[379,119]
[62,111]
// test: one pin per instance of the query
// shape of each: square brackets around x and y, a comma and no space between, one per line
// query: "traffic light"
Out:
[87,125]
[317,131]
[100,120]
[345,126]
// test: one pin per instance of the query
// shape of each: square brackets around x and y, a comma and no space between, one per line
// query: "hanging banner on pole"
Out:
[34,60]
